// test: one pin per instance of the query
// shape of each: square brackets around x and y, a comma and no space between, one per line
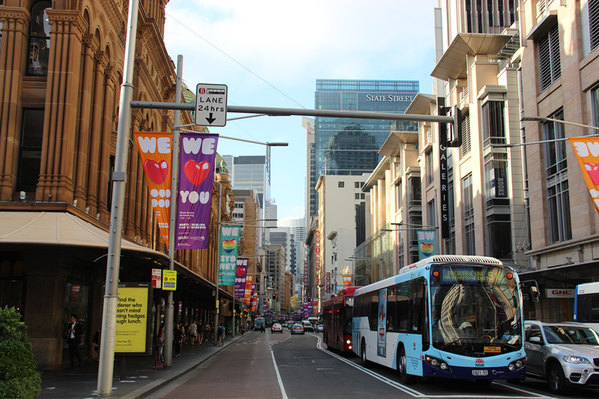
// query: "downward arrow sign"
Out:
[210,119]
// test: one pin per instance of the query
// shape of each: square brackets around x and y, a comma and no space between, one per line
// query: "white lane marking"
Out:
[418,394]
[274,362]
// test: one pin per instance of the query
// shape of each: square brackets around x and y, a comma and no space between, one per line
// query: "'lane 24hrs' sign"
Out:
[211,104]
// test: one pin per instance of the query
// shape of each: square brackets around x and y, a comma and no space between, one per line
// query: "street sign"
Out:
[169,280]
[211,104]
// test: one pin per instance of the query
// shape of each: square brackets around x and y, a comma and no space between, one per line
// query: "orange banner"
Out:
[347,280]
[247,294]
[155,149]
[587,153]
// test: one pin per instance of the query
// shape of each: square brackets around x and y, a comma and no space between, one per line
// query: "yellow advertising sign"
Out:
[131,320]
[169,280]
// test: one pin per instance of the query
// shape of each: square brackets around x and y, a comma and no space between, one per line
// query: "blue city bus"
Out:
[447,316]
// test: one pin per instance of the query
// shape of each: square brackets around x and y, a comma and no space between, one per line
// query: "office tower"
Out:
[348,146]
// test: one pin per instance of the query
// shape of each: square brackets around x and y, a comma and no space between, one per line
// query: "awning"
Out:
[59,229]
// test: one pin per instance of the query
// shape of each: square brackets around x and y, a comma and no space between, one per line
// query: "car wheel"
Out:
[363,353]
[402,368]
[557,380]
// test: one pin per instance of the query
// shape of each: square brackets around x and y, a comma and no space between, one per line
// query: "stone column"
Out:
[109,110]
[13,50]
[84,121]
[96,134]
[62,104]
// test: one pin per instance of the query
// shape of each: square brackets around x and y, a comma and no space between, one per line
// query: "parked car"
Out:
[319,328]
[566,354]
[276,327]
[297,328]
[307,325]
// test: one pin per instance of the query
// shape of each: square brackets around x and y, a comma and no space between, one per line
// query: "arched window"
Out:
[39,40]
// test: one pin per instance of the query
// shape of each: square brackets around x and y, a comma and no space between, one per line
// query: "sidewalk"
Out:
[140,378]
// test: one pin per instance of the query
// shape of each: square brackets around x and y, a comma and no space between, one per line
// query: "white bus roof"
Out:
[588,288]
[462,259]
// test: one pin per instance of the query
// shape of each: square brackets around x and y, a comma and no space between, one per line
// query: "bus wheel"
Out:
[363,353]
[402,367]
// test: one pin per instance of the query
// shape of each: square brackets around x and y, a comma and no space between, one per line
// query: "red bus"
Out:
[337,315]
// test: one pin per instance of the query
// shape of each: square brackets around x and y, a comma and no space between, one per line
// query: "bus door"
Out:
[381,338]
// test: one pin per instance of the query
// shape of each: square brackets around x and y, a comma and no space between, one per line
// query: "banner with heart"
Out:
[197,153]
[427,243]
[155,151]
[240,275]
[229,237]
[587,154]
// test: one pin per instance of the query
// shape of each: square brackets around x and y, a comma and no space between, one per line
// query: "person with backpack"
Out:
[221,334]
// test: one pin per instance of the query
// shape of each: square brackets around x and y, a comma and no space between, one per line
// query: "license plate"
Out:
[480,372]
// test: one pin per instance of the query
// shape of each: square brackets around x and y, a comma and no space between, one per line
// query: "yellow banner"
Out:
[587,153]
[169,280]
[131,320]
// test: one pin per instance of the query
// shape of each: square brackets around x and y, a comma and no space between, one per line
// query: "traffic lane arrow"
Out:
[210,119]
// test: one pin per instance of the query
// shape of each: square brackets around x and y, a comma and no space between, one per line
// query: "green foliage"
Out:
[18,372]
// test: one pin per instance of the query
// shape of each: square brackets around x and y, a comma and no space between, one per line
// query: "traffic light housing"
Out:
[454,136]
[274,296]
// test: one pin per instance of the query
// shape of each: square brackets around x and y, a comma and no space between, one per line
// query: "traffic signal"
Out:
[274,296]
[454,138]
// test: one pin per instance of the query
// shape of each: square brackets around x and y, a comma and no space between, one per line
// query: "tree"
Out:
[19,377]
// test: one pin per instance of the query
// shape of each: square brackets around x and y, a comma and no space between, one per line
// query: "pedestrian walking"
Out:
[74,333]
[178,339]
[193,333]
[221,334]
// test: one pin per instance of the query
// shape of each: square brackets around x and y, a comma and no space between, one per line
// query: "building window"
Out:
[340,184]
[594,23]
[30,149]
[556,174]
[468,204]
[428,159]
[398,196]
[39,40]
[357,196]
[465,148]
[549,58]
[493,123]
[431,213]
[595,104]
[496,176]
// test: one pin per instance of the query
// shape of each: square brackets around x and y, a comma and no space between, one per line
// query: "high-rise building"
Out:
[348,146]
[252,172]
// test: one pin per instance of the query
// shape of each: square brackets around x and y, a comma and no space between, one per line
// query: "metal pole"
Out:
[170,310]
[108,335]
[220,193]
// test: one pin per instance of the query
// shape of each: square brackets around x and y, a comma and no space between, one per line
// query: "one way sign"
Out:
[211,104]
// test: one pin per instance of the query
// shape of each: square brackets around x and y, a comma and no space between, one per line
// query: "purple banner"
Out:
[240,275]
[196,175]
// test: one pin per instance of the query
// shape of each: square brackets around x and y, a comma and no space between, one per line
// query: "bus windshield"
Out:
[475,310]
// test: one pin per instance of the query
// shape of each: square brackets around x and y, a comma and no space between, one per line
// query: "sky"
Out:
[270,53]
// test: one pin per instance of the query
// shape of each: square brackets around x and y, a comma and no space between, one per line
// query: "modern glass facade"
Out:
[347,146]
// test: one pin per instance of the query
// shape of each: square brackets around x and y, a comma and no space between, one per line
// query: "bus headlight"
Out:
[516,364]
[437,363]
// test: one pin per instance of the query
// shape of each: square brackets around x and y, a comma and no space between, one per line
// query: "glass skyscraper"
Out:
[347,146]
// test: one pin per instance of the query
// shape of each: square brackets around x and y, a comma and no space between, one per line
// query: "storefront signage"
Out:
[169,280]
[559,292]
[132,320]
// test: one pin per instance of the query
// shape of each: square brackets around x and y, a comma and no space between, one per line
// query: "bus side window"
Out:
[373,310]
[391,312]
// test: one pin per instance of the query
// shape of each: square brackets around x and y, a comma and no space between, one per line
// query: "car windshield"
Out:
[475,310]
[571,335]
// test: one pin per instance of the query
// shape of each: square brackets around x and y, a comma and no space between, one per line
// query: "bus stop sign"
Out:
[211,104]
